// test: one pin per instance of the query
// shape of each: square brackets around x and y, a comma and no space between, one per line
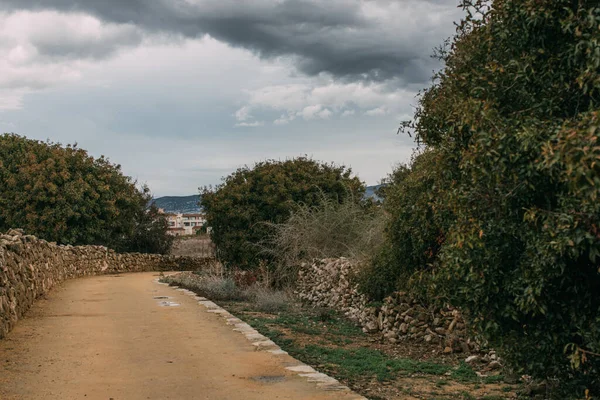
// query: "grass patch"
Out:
[361,362]
[464,373]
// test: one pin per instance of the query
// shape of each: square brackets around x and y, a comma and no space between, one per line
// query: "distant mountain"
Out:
[179,204]
[189,204]
[371,192]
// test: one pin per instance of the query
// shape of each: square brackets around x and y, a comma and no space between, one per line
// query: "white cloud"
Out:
[314,98]
[243,114]
[46,49]
[250,124]
[315,111]
[284,119]
[376,112]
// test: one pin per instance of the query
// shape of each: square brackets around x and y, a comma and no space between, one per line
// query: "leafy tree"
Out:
[513,120]
[239,210]
[62,194]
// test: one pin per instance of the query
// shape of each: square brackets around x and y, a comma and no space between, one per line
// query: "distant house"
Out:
[185,224]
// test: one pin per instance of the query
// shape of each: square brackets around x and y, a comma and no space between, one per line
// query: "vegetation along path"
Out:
[112,337]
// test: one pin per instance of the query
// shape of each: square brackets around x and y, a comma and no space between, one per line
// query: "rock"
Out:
[494,365]
[371,327]
[451,326]
[472,359]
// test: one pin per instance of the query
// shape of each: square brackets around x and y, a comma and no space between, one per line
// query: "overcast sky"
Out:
[182,92]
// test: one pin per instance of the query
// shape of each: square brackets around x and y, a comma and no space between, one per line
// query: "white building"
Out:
[185,224]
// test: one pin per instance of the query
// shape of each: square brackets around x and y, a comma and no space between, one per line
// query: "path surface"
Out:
[108,338]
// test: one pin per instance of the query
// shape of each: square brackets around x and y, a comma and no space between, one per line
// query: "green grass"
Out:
[346,363]
[360,362]
[464,373]
[328,341]
[493,379]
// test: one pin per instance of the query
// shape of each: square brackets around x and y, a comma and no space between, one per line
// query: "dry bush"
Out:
[267,299]
[212,286]
[331,229]
[217,285]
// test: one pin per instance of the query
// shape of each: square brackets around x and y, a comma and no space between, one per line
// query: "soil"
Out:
[117,337]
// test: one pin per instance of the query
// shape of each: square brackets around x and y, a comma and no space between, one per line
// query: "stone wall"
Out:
[327,283]
[29,267]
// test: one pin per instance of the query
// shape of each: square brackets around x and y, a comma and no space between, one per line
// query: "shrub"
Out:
[327,230]
[513,123]
[212,286]
[416,226]
[63,195]
[238,209]
[268,300]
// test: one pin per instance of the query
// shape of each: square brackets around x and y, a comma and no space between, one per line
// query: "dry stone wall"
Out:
[327,283]
[29,267]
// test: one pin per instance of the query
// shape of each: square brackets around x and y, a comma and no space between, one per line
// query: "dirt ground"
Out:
[112,337]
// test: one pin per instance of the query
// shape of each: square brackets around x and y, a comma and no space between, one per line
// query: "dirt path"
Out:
[108,338]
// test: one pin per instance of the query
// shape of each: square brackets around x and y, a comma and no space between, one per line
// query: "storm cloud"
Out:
[354,40]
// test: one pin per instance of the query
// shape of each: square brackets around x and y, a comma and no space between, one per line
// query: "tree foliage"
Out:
[504,221]
[240,209]
[62,194]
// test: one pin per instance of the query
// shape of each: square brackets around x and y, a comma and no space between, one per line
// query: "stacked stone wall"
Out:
[30,267]
[327,283]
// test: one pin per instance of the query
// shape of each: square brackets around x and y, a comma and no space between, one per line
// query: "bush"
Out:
[63,195]
[268,300]
[212,286]
[217,286]
[417,222]
[509,228]
[239,209]
[328,230]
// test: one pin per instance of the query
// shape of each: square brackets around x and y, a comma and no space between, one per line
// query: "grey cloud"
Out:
[71,46]
[333,36]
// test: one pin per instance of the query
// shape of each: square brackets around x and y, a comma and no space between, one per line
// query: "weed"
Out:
[464,373]
[493,379]
[268,300]
[211,286]
[466,396]
[441,382]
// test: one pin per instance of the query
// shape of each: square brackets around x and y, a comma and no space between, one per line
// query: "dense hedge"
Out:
[500,214]
[61,194]
[240,210]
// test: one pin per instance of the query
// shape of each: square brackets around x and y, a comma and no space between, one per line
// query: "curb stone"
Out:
[262,343]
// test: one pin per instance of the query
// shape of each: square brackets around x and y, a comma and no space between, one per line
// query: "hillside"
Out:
[371,192]
[189,204]
[179,204]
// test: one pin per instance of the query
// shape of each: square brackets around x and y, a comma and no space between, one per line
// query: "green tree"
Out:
[513,119]
[62,194]
[239,210]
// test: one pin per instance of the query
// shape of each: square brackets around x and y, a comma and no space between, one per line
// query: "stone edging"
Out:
[262,343]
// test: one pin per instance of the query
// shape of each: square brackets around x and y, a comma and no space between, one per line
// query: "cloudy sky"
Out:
[182,92]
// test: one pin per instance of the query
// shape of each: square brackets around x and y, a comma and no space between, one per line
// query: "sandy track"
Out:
[108,338]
